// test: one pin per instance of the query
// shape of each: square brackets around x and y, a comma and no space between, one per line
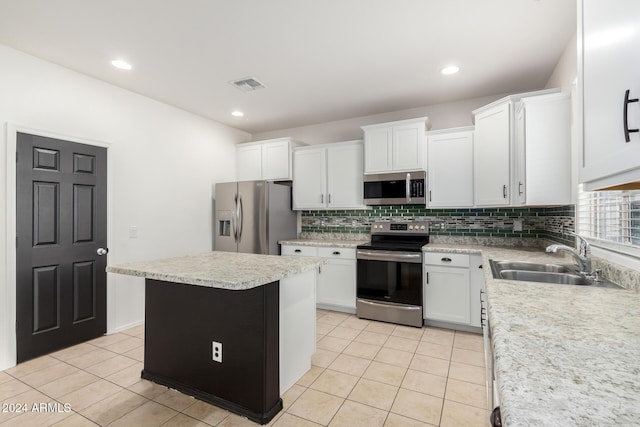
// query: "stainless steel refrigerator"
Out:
[252,216]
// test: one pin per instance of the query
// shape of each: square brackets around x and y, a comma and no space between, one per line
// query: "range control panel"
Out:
[412,227]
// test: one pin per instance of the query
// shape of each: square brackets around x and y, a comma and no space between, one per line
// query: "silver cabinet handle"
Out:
[328,198]
[504,191]
[322,198]
[520,185]
[336,252]
[102,251]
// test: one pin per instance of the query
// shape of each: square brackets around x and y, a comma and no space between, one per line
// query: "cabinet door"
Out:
[378,150]
[447,294]
[491,156]
[249,162]
[337,284]
[546,142]
[408,146]
[610,66]
[450,167]
[519,182]
[344,176]
[276,163]
[476,278]
[309,179]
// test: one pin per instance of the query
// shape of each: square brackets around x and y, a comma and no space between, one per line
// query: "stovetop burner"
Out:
[398,236]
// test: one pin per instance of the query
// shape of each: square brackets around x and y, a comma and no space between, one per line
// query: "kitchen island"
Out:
[232,329]
[564,355]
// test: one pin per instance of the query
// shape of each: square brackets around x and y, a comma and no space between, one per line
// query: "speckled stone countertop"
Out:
[324,242]
[227,270]
[565,355]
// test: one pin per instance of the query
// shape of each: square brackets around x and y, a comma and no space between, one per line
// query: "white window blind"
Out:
[611,217]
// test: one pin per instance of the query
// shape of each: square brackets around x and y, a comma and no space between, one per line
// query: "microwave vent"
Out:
[248,84]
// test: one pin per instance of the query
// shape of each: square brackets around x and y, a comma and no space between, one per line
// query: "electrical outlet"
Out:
[216,351]
[517,224]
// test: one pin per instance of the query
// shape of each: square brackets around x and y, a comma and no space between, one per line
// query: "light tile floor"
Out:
[364,373]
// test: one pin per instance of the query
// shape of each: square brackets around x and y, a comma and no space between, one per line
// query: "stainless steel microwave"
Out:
[399,188]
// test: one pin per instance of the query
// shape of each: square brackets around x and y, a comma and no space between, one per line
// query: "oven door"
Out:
[390,276]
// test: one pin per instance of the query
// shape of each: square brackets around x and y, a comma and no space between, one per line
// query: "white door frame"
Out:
[8,352]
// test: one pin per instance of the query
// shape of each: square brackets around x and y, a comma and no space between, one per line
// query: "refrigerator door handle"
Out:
[234,220]
[240,216]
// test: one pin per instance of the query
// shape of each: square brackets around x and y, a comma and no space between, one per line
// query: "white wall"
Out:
[441,116]
[163,163]
[566,70]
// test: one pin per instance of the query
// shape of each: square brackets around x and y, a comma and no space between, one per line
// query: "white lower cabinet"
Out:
[452,284]
[336,280]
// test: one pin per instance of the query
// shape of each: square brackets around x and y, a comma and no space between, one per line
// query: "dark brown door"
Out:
[61,225]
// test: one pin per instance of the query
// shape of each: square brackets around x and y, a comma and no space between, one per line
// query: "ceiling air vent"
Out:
[248,84]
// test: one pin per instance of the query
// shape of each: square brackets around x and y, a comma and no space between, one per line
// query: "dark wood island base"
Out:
[181,323]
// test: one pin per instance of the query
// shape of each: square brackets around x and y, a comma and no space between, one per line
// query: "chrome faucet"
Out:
[582,257]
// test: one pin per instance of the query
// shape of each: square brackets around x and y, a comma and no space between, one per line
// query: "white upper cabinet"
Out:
[328,176]
[494,159]
[344,176]
[608,43]
[378,150]
[395,146]
[269,160]
[491,158]
[276,160]
[543,151]
[249,162]
[450,167]
[310,178]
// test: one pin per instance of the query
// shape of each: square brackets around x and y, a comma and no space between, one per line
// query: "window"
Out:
[611,219]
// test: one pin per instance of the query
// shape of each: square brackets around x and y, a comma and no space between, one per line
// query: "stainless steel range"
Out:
[389,276]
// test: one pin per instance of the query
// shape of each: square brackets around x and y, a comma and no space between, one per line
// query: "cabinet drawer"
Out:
[299,250]
[333,252]
[451,260]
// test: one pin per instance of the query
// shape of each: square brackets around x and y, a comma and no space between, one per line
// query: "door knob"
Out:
[102,251]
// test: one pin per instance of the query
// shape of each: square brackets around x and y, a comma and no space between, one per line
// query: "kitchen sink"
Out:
[545,273]
[532,266]
[545,276]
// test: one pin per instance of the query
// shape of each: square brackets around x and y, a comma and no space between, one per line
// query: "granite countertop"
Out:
[226,270]
[324,242]
[565,355]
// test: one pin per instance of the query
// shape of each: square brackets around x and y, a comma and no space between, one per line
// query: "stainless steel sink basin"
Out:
[545,276]
[531,266]
[545,273]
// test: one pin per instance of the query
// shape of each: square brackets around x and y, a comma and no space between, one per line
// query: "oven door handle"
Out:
[411,257]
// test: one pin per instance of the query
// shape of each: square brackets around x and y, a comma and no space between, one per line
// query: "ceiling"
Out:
[322,60]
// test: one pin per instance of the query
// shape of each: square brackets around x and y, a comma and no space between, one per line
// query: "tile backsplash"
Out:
[538,222]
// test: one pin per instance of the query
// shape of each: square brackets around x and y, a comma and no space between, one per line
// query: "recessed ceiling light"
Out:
[237,113]
[119,63]
[451,69]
